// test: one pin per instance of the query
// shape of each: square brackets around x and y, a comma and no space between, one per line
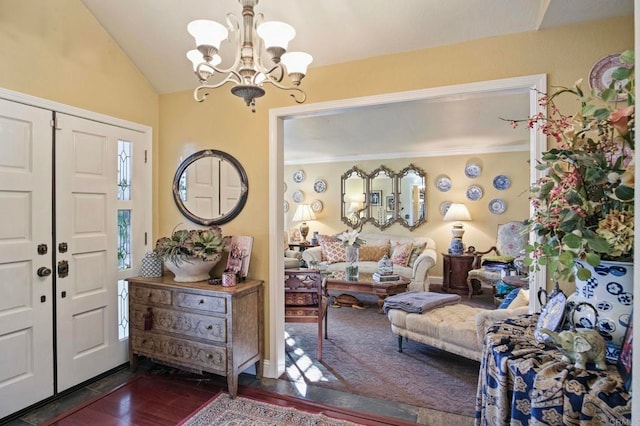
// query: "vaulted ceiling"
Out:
[153,34]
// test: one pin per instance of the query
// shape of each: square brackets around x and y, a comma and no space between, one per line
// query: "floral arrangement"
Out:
[584,202]
[351,239]
[205,244]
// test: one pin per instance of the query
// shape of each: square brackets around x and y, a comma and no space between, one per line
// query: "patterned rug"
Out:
[361,357]
[224,411]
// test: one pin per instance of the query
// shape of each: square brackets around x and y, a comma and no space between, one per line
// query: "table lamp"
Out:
[457,213]
[302,214]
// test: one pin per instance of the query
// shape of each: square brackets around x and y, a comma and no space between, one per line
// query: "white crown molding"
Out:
[521,147]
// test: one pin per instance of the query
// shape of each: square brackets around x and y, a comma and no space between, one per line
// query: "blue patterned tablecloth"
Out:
[523,382]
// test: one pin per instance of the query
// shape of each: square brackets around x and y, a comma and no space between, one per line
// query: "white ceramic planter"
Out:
[192,269]
[610,292]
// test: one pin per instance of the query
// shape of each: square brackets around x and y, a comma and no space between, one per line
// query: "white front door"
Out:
[90,326]
[26,303]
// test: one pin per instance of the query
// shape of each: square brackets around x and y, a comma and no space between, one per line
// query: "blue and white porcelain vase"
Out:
[610,292]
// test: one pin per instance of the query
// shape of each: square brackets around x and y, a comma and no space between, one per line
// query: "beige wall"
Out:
[480,232]
[223,122]
[56,50]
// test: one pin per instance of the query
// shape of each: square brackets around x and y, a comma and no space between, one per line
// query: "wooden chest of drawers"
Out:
[197,326]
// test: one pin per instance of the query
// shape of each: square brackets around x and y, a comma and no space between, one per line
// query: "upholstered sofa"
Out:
[413,257]
[457,328]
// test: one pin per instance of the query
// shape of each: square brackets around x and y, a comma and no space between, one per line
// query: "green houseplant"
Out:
[190,254]
[583,203]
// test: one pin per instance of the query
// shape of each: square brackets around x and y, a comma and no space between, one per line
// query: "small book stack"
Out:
[384,278]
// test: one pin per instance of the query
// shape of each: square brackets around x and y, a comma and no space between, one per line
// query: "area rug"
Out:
[224,411]
[361,357]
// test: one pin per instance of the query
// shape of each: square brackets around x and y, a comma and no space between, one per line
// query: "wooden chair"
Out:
[305,300]
[510,241]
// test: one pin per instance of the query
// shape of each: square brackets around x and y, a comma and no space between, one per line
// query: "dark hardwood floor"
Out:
[144,400]
[157,395]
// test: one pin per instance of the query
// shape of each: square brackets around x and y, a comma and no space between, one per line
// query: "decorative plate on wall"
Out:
[501,182]
[298,196]
[444,206]
[320,186]
[298,176]
[443,183]
[474,192]
[600,75]
[316,206]
[497,206]
[472,170]
[286,206]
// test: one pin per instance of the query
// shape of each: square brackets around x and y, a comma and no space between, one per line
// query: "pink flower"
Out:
[619,119]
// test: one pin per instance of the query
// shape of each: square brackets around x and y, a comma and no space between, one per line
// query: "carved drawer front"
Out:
[150,295]
[201,302]
[208,357]
[187,324]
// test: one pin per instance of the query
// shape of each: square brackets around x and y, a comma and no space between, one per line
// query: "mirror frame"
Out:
[225,217]
[379,172]
[365,209]
[402,173]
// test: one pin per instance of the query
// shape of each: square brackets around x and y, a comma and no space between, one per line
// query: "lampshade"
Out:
[303,213]
[276,34]
[297,62]
[207,33]
[457,212]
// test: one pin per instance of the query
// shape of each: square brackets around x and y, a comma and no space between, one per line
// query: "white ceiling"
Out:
[153,34]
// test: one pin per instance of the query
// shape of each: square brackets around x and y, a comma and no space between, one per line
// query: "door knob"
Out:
[43,271]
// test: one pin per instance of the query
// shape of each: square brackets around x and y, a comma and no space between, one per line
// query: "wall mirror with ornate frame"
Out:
[382,212]
[353,199]
[384,197]
[411,197]
[210,187]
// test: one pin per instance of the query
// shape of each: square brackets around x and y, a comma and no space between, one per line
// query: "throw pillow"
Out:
[326,238]
[334,251]
[400,253]
[509,298]
[373,253]
[415,252]
[522,299]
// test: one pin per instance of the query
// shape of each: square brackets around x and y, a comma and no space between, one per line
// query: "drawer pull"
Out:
[209,327]
[209,356]
[201,301]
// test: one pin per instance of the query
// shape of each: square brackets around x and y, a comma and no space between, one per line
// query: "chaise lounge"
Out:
[455,328]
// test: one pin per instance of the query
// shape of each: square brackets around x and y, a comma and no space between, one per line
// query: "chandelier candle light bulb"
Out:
[248,72]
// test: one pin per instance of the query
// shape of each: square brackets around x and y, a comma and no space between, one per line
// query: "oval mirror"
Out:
[354,188]
[382,211]
[210,187]
[411,197]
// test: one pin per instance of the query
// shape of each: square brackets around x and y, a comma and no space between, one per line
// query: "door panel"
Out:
[86,212]
[26,333]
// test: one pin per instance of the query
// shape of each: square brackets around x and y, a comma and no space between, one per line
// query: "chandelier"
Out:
[248,73]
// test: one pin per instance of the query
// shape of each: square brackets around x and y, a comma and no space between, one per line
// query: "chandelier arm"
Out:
[270,74]
[300,97]
[198,89]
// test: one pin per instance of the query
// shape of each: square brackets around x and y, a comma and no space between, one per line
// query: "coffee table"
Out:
[366,284]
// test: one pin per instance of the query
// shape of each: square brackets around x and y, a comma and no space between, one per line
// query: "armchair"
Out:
[510,241]
[305,300]
[291,257]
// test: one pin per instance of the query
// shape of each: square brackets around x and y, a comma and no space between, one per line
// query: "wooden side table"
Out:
[455,270]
